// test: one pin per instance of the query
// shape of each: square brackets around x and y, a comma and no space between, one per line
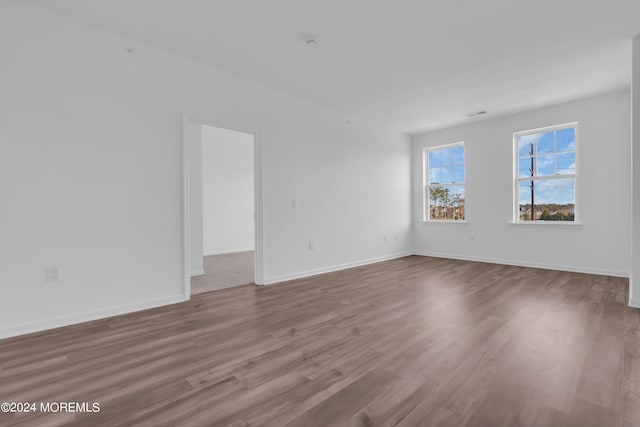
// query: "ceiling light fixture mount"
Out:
[312,41]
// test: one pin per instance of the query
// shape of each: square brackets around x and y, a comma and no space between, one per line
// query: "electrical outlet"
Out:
[311,246]
[53,274]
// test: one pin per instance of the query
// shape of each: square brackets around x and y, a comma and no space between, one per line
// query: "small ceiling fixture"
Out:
[128,49]
[312,41]
[477,113]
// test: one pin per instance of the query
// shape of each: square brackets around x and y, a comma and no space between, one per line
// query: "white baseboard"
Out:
[572,268]
[233,251]
[329,269]
[633,301]
[43,325]
[197,273]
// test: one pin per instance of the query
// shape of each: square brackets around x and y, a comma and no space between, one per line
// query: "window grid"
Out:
[564,176]
[448,190]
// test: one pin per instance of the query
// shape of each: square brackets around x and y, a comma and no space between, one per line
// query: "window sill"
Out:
[435,221]
[551,223]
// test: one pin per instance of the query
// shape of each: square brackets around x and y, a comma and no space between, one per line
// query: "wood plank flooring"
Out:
[224,271]
[416,341]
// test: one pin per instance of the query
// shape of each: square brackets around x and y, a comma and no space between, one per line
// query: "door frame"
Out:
[258,189]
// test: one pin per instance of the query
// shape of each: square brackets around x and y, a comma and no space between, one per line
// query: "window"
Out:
[545,174]
[444,183]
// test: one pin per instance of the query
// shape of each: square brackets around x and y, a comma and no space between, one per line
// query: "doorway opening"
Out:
[222,242]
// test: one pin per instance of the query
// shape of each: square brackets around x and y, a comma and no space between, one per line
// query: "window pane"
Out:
[456,210]
[545,143]
[524,200]
[566,163]
[555,191]
[446,157]
[566,139]
[434,175]
[545,166]
[524,145]
[458,155]
[555,199]
[446,175]
[439,200]
[524,166]
[446,203]
[458,174]
[434,159]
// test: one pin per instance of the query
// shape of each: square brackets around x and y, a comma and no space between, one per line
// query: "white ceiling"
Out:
[411,64]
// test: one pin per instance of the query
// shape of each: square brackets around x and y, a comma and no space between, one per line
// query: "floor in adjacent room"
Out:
[409,342]
[225,271]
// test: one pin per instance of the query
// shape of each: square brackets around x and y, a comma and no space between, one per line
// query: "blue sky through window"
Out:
[446,165]
[548,191]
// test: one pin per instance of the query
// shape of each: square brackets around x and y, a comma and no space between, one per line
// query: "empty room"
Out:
[295,213]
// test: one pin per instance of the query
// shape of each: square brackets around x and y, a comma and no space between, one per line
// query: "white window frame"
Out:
[517,179]
[426,212]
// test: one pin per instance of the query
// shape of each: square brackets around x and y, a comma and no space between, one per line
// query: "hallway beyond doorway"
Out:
[224,271]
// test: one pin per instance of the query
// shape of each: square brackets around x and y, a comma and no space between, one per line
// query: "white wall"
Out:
[193,144]
[600,245]
[634,286]
[90,173]
[227,191]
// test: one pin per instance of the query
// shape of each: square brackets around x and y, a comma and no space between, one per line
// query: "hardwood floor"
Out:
[410,342]
[224,271]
